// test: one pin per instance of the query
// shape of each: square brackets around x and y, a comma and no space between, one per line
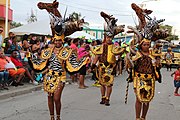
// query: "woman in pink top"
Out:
[74,44]
[82,52]
[82,72]
[176,81]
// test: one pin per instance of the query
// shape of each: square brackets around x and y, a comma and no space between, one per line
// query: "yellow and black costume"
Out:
[156,51]
[144,76]
[73,64]
[105,56]
[53,59]
[145,69]
[144,65]
[107,62]
[54,65]
[108,51]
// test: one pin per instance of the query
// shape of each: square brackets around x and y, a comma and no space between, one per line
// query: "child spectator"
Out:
[176,81]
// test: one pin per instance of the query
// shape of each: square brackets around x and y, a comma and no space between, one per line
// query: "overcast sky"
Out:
[121,9]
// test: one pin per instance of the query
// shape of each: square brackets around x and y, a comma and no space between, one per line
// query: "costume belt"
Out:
[143,76]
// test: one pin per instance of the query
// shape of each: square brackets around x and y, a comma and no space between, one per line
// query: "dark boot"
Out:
[103,100]
[58,117]
[107,102]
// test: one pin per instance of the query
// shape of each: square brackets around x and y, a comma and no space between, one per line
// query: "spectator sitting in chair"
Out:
[17,62]
[3,76]
[3,79]
[8,65]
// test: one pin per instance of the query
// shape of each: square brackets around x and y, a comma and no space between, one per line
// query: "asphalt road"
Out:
[83,104]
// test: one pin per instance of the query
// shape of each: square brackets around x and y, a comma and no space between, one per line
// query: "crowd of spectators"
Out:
[14,66]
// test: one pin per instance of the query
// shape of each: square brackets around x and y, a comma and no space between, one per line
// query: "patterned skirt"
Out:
[144,85]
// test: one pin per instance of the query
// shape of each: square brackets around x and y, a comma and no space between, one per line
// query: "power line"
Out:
[94,10]
[95,7]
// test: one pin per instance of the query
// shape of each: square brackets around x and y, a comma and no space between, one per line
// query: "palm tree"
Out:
[76,16]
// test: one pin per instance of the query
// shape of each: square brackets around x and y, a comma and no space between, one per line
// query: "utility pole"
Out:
[6,19]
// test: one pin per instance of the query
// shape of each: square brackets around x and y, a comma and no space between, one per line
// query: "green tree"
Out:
[76,16]
[14,24]
[171,36]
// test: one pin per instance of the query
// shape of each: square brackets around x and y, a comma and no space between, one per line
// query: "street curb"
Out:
[28,89]
[18,92]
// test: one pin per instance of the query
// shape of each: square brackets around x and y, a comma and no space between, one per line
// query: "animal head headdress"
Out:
[148,27]
[111,28]
[60,26]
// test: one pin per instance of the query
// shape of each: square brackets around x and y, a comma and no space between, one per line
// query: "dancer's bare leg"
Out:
[109,91]
[57,99]
[138,106]
[145,110]
[51,105]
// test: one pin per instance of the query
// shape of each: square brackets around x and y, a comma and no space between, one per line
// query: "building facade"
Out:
[94,31]
[3,14]
[97,32]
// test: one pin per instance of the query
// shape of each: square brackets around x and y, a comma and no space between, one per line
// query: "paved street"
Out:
[83,104]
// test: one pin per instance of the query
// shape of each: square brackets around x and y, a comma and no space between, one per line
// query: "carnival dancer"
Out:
[105,55]
[51,60]
[144,78]
[143,64]
[58,69]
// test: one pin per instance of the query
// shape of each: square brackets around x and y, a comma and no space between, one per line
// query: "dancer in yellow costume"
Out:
[105,54]
[143,64]
[52,59]
[144,74]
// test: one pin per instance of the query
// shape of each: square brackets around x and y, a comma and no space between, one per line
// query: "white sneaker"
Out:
[35,83]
